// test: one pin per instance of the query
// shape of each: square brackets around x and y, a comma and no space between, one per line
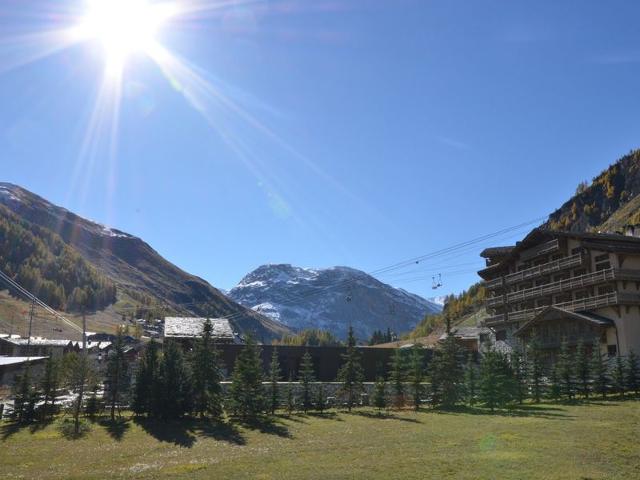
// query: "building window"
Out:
[502,335]
[557,256]
[579,271]
[576,250]
[612,350]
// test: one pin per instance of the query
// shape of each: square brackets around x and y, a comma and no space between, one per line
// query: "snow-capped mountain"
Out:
[330,299]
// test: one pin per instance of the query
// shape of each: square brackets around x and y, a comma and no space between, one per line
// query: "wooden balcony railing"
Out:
[542,249]
[583,304]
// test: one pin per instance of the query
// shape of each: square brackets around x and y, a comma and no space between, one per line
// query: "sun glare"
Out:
[123,27]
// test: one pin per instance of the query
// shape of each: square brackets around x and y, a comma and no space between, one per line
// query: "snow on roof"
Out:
[193,326]
[38,341]
[17,360]
[467,333]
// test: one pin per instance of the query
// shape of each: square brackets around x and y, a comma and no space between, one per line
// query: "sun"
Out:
[123,27]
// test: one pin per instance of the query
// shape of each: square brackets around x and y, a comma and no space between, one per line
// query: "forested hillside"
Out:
[607,203]
[41,262]
[456,307]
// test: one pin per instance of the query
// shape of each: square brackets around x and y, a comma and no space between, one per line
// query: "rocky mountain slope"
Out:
[330,299]
[136,269]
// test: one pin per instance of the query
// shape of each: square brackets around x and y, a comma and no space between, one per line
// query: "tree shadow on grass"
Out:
[10,428]
[115,428]
[382,416]
[537,411]
[268,425]
[184,432]
[326,416]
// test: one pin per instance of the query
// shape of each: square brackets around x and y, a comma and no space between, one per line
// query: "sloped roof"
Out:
[467,333]
[550,313]
[191,327]
[17,360]
[538,235]
[38,341]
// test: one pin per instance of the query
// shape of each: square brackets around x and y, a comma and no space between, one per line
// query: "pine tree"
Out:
[555,390]
[146,379]
[397,377]
[274,377]
[416,374]
[536,368]
[173,392]
[117,379]
[380,394]
[49,386]
[470,381]
[321,399]
[351,374]
[583,368]
[25,398]
[290,396]
[305,378]
[519,368]
[599,372]
[619,376]
[633,373]
[207,375]
[566,370]
[78,372]
[496,385]
[447,373]
[247,394]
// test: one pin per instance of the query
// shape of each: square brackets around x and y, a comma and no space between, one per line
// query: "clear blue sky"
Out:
[335,132]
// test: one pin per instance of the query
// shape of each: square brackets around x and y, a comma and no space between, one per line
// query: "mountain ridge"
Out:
[133,265]
[330,299]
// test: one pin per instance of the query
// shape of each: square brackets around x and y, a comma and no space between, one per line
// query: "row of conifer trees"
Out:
[171,384]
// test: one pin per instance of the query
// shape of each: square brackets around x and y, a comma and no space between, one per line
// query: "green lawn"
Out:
[595,441]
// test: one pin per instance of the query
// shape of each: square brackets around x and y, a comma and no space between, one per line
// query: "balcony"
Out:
[544,269]
[561,286]
[584,304]
[542,249]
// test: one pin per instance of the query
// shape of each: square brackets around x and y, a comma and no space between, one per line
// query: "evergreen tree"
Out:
[470,381]
[321,399]
[583,368]
[380,394]
[633,373]
[519,368]
[290,396]
[117,381]
[397,377]
[566,370]
[447,373]
[247,394]
[49,386]
[92,407]
[536,368]
[416,374]
[207,375]
[351,374]
[619,376]
[599,372]
[274,377]
[146,379]
[173,390]
[78,372]
[25,398]
[555,390]
[496,386]
[305,378]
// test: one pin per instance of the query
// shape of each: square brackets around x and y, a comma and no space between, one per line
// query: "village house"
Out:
[565,286]
[186,330]
[16,346]
[12,367]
